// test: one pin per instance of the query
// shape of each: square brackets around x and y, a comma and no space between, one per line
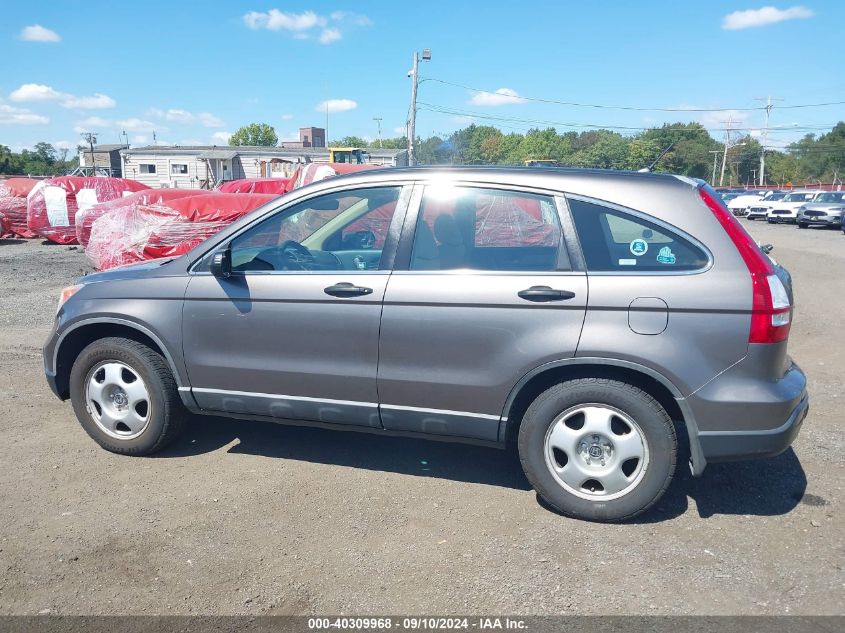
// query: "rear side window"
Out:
[616,241]
[486,229]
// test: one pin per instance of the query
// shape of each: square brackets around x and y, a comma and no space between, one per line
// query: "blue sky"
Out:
[195,71]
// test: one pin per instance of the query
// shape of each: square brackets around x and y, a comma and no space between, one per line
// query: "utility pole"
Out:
[377,119]
[769,106]
[412,112]
[91,138]
[715,153]
[729,123]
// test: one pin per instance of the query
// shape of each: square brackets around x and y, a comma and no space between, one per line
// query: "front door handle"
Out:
[544,293]
[346,289]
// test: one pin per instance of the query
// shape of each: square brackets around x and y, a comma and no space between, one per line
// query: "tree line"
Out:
[692,153]
[42,160]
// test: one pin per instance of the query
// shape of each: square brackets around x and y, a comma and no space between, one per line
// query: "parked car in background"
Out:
[453,304]
[786,209]
[761,209]
[740,205]
[826,209]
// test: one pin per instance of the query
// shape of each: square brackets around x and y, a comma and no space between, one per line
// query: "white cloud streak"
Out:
[764,16]
[38,33]
[336,105]
[41,92]
[10,115]
[306,25]
[502,96]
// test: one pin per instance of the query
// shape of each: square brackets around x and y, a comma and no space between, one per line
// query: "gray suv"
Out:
[586,316]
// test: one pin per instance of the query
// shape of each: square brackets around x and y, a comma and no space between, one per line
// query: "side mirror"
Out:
[221,263]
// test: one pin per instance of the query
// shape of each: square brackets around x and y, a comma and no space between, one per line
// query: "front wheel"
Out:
[125,397]
[771,221]
[598,449]
[802,225]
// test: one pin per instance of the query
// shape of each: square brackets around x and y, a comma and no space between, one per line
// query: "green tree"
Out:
[350,141]
[255,134]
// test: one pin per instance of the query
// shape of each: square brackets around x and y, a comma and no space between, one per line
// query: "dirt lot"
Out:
[258,518]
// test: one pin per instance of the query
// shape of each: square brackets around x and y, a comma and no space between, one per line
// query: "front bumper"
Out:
[820,220]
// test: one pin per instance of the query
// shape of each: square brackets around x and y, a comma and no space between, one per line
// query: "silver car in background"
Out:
[826,209]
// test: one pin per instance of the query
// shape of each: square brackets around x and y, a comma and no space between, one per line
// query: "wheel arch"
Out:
[82,334]
[652,382]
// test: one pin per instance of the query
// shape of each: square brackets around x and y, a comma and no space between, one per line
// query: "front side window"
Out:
[616,241]
[486,229]
[337,231]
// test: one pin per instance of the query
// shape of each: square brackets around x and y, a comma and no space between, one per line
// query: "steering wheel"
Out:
[296,255]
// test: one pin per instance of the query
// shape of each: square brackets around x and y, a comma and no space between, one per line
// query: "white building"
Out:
[204,167]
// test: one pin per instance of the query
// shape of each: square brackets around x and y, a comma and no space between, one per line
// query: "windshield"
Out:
[776,196]
[798,197]
[830,197]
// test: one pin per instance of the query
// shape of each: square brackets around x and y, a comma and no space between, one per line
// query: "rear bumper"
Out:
[745,414]
[723,446]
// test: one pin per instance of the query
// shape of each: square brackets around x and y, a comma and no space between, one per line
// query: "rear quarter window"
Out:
[613,240]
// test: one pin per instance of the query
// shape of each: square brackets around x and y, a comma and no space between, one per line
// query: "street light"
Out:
[412,114]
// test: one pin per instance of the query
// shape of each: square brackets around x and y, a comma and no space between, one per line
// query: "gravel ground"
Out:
[257,518]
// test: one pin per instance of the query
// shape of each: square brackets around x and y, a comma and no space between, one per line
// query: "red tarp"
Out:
[314,172]
[169,228]
[52,204]
[5,226]
[277,186]
[13,193]
[85,217]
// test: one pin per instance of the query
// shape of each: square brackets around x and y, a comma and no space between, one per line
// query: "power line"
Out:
[576,104]
[534,122]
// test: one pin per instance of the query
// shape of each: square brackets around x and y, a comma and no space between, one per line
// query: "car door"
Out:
[482,293]
[293,332]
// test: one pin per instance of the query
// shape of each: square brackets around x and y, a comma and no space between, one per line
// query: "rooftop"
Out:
[244,149]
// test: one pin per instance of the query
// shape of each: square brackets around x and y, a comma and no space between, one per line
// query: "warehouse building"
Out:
[204,167]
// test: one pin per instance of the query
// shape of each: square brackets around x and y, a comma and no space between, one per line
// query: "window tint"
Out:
[612,240]
[485,229]
[338,231]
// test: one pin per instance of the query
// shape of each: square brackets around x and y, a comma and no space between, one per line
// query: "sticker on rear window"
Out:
[666,256]
[639,247]
[627,262]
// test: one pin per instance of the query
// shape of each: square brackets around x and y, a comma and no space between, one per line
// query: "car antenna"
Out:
[645,170]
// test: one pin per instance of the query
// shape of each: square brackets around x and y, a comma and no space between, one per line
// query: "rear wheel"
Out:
[125,397]
[598,449]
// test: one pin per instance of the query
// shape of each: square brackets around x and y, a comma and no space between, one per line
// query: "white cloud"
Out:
[42,92]
[38,33]
[275,20]
[20,116]
[223,137]
[140,139]
[306,25]
[94,102]
[63,144]
[401,130]
[763,16]
[503,96]
[287,117]
[336,105]
[139,125]
[35,92]
[330,35]
[206,119]
[461,119]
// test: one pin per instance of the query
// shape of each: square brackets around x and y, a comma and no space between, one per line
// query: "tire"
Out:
[125,397]
[551,421]
[802,225]
[770,221]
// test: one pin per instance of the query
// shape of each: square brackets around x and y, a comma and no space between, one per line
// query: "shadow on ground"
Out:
[762,488]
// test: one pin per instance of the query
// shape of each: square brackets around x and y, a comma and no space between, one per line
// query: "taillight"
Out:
[771,311]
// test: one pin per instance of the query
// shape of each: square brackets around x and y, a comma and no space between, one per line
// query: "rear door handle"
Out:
[346,289]
[544,293]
